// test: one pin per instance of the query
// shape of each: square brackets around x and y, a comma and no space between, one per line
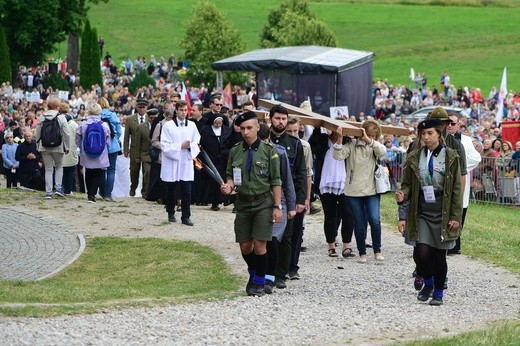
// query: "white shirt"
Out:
[177,162]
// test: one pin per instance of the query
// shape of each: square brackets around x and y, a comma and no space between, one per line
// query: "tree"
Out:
[78,10]
[5,65]
[95,67]
[205,43]
[293,24]
[86,42]
[33,28]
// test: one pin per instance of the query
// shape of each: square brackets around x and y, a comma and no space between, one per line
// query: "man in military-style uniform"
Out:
[254,170]
[143,142]
[130,147]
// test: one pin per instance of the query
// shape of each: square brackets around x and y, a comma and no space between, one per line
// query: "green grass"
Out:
[472,43]
[502,333]
[117,273]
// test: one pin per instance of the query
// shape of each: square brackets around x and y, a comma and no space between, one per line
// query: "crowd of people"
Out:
[180,151]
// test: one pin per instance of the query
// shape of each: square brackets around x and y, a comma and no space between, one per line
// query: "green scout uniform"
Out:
[254,203]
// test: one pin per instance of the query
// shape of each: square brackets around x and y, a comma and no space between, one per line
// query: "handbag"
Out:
[154,153]
[381,178]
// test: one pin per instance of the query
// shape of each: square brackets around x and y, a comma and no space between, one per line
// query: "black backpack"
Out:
[51,133]
[112,131]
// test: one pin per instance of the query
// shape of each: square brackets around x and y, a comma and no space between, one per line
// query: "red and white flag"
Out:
[227,97]
[185,95]
[501,97]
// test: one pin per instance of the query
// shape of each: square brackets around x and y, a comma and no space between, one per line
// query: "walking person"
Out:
[93,138]
[432,183]
[214,140]
[336,210]
[253,169]
[361,154]
[52,135]
[71,159]
[143,143]
[180,145]
[130,148]
[114,148]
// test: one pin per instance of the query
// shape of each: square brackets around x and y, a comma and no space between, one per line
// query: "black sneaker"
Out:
[418,283]
[256,290]
[425,293]
[280,283]
[436,301]
[171,217]
[294,276]
[91,199]
[269,286]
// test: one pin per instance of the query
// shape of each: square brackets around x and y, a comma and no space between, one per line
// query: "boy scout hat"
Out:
[152,111]
[439,113]
[141,102]
[244,117]
[428,123]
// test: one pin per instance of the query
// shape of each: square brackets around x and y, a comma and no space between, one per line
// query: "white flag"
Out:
[501,97]
[412,74]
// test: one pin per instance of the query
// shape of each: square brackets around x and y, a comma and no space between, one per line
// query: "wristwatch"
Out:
[278,206]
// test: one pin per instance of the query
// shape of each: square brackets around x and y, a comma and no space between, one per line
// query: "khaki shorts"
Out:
[254,220]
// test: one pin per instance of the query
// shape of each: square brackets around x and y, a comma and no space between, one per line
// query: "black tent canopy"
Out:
[325,75]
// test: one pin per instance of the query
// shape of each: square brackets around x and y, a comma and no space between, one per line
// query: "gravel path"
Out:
[337,301]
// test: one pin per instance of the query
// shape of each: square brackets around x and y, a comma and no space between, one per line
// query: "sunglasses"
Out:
[452,123]
[218,104]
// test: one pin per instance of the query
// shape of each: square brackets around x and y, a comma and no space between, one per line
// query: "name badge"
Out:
[429,194]
[237,176]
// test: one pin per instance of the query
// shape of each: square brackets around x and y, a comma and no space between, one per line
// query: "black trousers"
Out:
[94,180]
[183,190]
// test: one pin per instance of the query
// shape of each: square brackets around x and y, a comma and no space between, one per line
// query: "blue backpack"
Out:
[94,141]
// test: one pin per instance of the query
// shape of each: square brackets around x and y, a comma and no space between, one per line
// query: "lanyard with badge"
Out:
[428,192]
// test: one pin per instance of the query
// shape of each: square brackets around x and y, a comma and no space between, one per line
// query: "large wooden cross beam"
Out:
[350,128]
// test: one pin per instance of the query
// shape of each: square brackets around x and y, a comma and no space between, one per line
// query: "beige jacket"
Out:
[65,134]
[361,164]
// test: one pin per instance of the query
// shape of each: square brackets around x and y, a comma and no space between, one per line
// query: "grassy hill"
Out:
[472,43]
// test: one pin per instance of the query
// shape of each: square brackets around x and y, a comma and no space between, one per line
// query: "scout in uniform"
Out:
[253,169]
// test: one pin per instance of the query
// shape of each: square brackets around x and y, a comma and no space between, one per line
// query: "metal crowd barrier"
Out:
[494,180]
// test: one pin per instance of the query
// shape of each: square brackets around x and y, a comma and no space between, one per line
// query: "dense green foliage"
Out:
[141,79]
[5,64]
[209,37]
[90,67]
[84,55]
[473,44]
[56,82]
[96,77]
[293,24]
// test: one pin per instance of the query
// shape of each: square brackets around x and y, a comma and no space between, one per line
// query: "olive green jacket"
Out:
[451,197]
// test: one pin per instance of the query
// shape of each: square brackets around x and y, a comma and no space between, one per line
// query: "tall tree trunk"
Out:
[73,53]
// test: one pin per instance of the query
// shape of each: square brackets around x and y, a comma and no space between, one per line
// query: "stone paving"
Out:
[35,247]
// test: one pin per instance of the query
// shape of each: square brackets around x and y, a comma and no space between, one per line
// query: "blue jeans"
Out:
[108,181]
[366,210]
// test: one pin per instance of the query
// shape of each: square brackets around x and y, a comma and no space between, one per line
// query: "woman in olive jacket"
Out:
[431,182]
